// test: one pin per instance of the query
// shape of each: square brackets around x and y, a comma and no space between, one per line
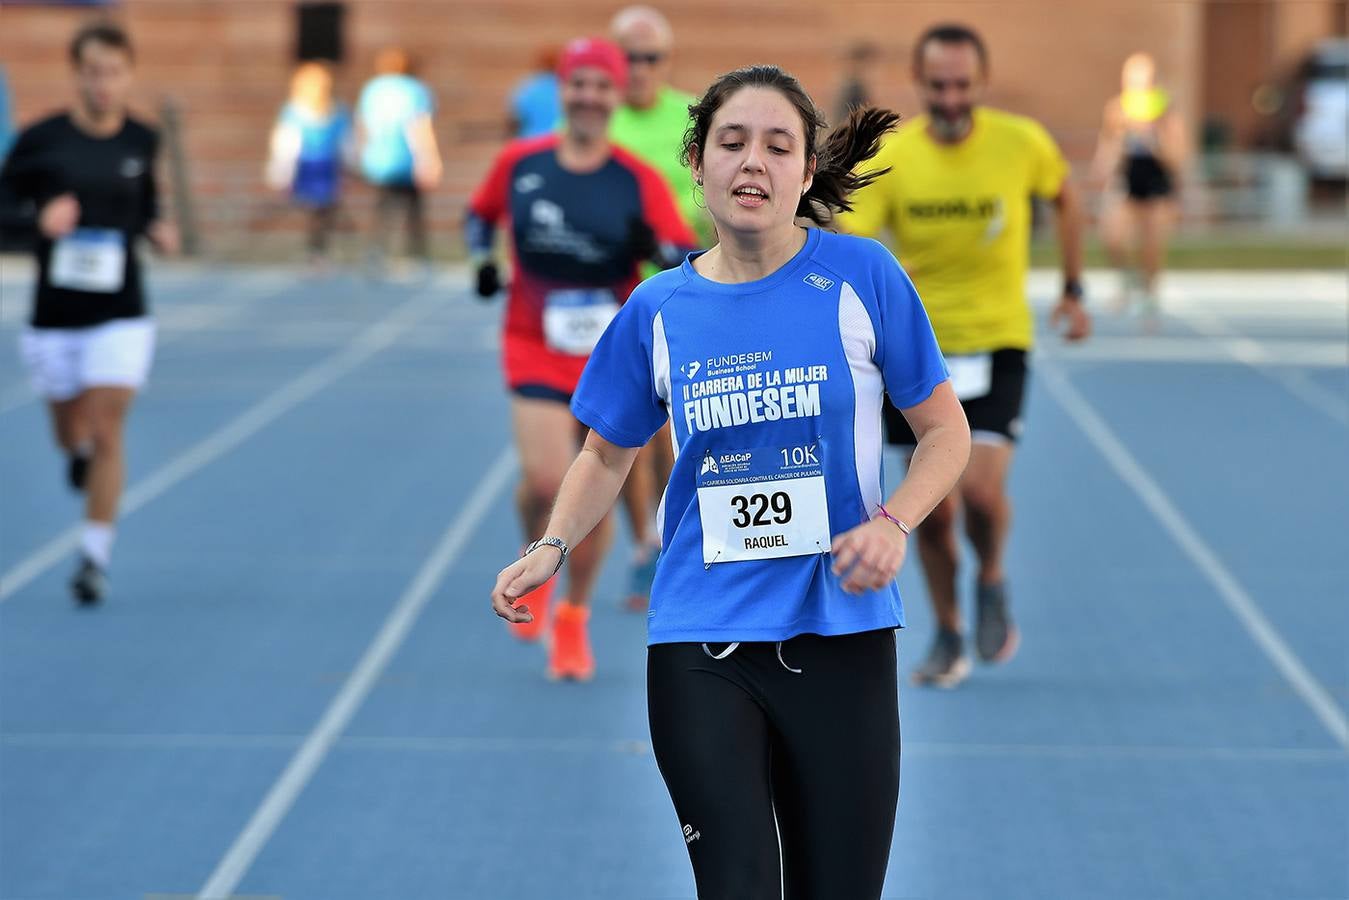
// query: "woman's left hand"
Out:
[869,556]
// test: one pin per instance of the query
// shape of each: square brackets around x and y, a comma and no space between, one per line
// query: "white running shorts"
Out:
[63,362]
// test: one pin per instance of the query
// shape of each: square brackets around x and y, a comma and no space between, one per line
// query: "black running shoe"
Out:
[77,472]
[89,583]
[946,664]
[995,634]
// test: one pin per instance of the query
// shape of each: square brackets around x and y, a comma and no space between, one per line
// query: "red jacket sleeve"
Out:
[658,206]
[489,200]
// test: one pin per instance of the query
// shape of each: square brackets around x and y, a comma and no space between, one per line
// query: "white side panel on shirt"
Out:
[660,377]
[859,346]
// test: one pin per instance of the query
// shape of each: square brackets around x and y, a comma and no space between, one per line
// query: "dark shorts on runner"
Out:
[994,418]
[751,750]
[1145,178]
[541,392]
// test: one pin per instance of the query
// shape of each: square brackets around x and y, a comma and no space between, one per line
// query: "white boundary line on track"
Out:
[642,747]
[1250,352]
[220,442]
[1236,598]
[234,865]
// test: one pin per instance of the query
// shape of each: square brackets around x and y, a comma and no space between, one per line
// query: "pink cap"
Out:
[595,52]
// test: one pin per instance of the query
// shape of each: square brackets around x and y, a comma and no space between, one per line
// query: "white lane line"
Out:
[365,345]
[1241,604]
[1253,354]
[307,759]
[1203,349]
[174,321]
[641,747]
[1141,752]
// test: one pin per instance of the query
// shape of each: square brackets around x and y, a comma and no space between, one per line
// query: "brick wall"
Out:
[227,62]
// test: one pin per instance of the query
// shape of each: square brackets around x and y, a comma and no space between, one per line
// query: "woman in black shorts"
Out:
[1142,148]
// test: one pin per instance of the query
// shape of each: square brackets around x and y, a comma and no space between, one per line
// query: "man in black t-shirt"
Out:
[86,178]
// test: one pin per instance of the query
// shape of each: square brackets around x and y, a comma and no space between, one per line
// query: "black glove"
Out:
[489,280]
[642,244]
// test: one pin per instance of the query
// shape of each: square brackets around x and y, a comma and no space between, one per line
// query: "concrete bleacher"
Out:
[226,66]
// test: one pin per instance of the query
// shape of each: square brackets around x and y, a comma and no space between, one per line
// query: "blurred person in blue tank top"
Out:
[310,142]
[399,156]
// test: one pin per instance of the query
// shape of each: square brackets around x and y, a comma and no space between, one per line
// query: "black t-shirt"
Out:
[113,180]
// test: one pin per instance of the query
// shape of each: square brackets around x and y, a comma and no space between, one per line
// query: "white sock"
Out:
[96,541]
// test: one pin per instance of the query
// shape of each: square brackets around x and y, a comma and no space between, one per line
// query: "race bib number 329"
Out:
[764,503]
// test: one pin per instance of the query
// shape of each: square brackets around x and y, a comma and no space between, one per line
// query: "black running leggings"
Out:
[751,751]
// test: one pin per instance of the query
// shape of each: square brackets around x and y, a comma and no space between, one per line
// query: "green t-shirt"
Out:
[656,136]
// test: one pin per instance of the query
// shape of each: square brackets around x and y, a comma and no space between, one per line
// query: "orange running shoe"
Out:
[537,601]
[570,656]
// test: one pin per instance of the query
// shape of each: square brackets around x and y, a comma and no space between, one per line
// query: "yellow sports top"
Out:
[1144,104]
[961,216]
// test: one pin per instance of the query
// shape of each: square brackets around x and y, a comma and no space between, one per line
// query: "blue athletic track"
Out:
[296,688]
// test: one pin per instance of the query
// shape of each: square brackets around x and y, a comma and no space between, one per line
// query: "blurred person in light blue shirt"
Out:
[399,156]
[536,104]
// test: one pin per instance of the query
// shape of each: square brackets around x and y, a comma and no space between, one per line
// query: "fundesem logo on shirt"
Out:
[818,281]
[691,369]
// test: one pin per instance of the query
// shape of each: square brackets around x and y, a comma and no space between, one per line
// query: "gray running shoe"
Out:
[89,583]
[995,634]
[946,664]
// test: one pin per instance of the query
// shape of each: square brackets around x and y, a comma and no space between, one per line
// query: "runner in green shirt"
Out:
[651,123]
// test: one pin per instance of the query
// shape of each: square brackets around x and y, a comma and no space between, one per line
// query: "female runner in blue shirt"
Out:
[771,682]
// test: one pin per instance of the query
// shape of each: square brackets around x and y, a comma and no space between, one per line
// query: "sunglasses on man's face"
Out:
[649,59]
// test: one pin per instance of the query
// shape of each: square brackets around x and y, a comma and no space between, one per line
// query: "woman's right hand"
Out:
[59,216]
[527,573]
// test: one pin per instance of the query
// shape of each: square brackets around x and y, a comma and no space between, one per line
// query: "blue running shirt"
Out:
[388,104]
[536,105]
[774,390]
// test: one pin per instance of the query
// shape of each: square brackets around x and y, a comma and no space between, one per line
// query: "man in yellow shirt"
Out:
[957,200]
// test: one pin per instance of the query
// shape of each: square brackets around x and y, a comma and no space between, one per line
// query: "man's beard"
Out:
[950,129]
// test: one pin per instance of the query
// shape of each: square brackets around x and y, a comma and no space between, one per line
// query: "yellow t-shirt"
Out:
[961,216]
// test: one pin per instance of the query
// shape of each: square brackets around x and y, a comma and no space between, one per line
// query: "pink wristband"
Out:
[885,513]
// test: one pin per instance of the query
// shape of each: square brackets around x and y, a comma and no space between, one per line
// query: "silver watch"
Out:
[557,542]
